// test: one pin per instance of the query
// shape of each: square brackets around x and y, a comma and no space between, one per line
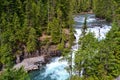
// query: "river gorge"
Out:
[56,69]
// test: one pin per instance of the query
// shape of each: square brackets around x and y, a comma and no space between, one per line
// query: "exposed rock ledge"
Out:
[118,78]
[31,63]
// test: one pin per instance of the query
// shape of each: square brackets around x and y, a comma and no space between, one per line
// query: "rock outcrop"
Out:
[118,78]
[31,63]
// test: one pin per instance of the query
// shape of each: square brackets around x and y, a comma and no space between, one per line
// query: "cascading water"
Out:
[56,69]
[97,26]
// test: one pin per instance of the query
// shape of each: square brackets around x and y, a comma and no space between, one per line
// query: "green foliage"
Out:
[11,74]
[55,31]
[75,78]
[100,60]
[108,9]
[60,46]
[86,52]
[31,43]
[71,38]
[23,21]
[105,9]
[46,41]
[65,52]
[84,27]
[83,5]
[6,55]
[113,39]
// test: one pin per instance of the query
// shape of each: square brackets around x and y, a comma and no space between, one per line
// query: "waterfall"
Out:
[56,69]
[99,28]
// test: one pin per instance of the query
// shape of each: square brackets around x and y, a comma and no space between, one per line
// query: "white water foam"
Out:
[56,69]
[99,32]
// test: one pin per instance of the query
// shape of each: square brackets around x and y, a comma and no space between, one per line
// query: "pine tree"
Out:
[6,57]
[84,27]
[31,42]
[11,74]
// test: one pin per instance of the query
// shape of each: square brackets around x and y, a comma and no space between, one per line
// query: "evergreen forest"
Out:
[24,22]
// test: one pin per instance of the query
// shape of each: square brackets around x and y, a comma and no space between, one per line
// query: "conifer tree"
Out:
[31,42]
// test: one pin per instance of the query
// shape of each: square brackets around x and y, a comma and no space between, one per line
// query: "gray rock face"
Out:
[118,78]
[31,63]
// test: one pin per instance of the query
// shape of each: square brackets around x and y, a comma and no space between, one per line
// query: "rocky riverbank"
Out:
[43,54]
[32,63]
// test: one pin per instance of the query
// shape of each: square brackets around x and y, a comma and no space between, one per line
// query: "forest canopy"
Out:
[22,22]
